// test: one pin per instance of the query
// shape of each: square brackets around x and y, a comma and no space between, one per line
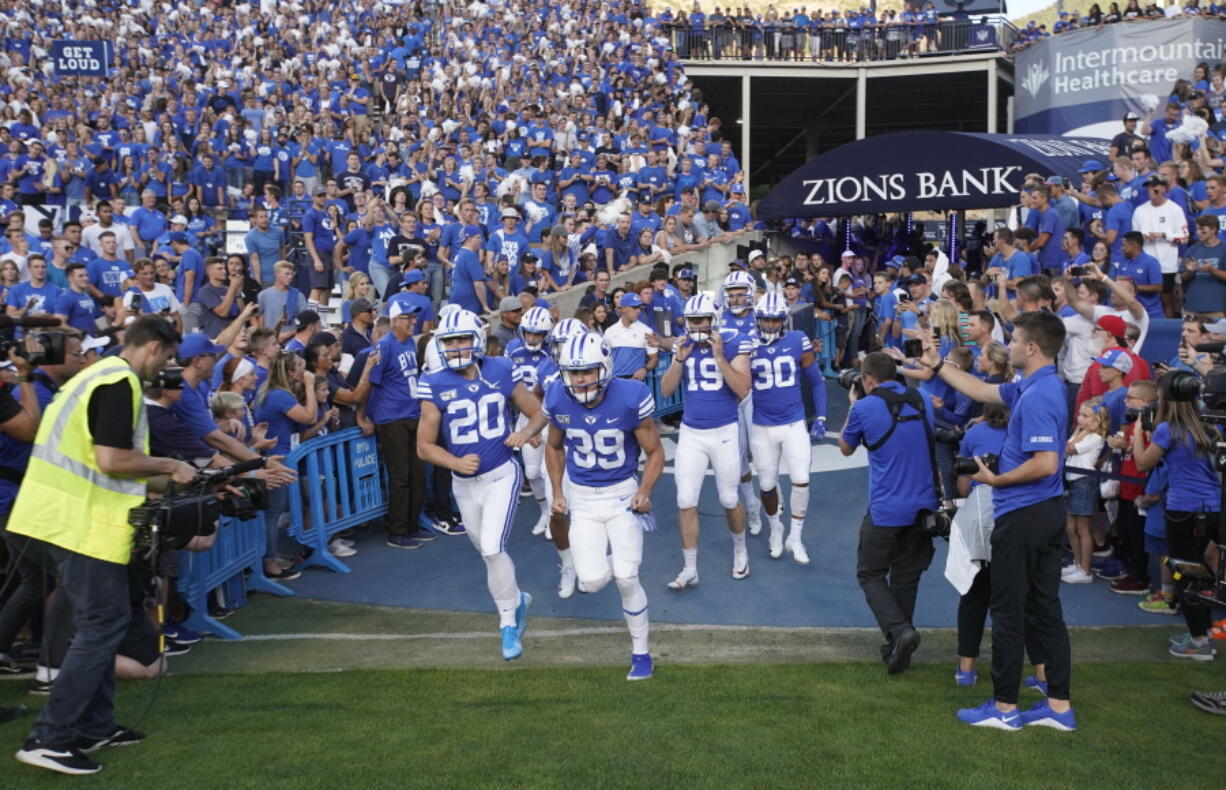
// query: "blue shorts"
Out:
[1155,545]
[1083,496]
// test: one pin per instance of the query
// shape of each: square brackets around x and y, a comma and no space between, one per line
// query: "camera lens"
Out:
[1180,385]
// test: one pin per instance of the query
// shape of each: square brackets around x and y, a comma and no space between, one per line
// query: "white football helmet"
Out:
[698,308]
[459,324]
[563,331]
[734,300]
[534,328]
[581,353]
[771,308]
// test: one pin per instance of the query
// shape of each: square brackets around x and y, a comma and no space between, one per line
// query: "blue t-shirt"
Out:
[190,261]
[900,471]
[778,379]
[601,449]
[80,310]
[1143,270]
[467,272]
[475,413]
[1039,423]
[274,410]
[43,297]
[321,228]
[981,439]
[1194,485]
[1113,402]
[393,382]
[192,409]
[709,401]
[108,276]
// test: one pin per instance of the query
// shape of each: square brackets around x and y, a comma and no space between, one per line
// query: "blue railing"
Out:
[237,548]
[341,483]
[672,403]
[828,345]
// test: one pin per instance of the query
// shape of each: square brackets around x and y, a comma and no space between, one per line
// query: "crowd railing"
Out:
[784,42]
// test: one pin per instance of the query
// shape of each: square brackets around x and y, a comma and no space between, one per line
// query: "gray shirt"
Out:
[273,304]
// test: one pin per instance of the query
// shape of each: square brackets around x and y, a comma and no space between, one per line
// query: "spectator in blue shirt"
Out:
[1144,271]
[74,306]
[468,284]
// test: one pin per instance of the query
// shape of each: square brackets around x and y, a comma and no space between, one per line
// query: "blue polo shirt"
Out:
[623,249]
[1039,423]
[900,471]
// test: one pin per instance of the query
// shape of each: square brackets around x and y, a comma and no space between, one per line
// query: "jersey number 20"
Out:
[484,419]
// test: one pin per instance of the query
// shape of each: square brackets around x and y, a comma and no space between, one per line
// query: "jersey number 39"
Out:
[605,448]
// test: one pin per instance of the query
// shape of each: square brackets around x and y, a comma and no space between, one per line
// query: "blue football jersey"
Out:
[778,379]
[546,373]
[746,324]
[709,402]
[526,362]
[476,413]
[600,446]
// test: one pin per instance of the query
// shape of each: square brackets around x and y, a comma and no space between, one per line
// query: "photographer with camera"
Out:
[895,425]
[1028,538]
[1193,500]
[89,467]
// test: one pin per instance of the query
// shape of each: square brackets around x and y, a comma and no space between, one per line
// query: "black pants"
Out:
[900,553]
[406,475]
[1130,541]
[1027,546]
[32,583]
[973,615]
[82,702]
[1187,537]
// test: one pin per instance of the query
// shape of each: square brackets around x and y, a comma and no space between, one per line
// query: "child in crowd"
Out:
[1083,450]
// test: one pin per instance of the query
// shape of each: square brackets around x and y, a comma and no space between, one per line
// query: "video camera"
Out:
[192,510]
[1204,586]
[49,346]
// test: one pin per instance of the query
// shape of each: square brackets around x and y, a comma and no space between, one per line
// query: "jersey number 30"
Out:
[470,422]
[773,372]
[605,449]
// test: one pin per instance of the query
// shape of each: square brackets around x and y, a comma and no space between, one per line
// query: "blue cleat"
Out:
[988,715]
[511,646]
[965,678]
[641,666]
[521,615]
[1041,715]
[1032,682]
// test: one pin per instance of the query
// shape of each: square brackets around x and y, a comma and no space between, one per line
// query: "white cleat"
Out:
[798,551]
[755,525]
[542,525]
[566,584]
[687,578]
[740,565]
[776,541]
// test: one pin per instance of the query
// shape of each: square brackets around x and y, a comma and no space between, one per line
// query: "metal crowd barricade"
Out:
[825,333]
[238,547]
[341,483]
[673,403]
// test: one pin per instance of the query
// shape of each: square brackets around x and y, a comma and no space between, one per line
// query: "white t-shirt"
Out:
[1169,220]
[162,297]
[1085,457]
[123,235]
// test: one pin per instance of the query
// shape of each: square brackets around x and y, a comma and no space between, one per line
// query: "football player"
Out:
[737,293]
[526,350]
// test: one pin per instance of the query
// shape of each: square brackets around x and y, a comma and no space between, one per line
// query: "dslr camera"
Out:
[1145,414]
[952,438]
[849,379]
[967,466]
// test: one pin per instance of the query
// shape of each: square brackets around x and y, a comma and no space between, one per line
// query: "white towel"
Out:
[970,539]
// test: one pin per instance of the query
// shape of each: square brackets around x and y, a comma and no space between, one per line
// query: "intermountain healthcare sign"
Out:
[1074,82]
[919,171]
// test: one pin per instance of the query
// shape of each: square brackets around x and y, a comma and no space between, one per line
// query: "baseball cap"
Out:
[95,343]
[179,237]
[1055,181]
[1131,116]
[1115,358]
[737,263]
[412,276]
[1156,180]
[1113,324]
[1091,166]
[711,205]
[197,344]
[306,318]
[754,255]
[399,308]
[896,262]
[848,254]
[178,219]
[630,300]
[1217,327]
[319,190]
[360,306]
[792,281]
[558,230]
[510,304]
[737,189]
[685,274]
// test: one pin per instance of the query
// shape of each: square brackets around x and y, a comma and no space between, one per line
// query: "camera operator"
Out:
[1028,538]
[14,458]
[89,467]
[889,420]
[1193,499]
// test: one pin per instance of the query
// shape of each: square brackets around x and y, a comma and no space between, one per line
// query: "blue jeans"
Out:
[82,702]
[379,276]
[278,505]
[434,276]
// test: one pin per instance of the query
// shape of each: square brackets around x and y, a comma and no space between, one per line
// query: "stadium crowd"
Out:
[432,163]
[1096,17]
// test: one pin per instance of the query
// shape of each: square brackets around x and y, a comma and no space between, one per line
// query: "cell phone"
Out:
[904,297]
[912,349]
[936,332]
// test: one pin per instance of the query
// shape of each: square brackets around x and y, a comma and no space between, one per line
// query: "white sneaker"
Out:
[798,551]
[566,584]
[755,524]
[344,542]
[687,578]
[776,541]
[740,565]
[339,549]
[541,525]
[1077,576]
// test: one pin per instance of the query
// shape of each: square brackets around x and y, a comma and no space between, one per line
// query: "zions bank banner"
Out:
[1075,82]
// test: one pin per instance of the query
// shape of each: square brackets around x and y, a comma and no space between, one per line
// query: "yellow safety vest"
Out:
[65,499]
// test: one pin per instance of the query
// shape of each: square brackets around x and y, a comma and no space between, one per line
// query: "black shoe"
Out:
[283,575]
[61,759]
[174,648]
[8,666]
[424,535]
[40,688]
[900,658]
[122,736]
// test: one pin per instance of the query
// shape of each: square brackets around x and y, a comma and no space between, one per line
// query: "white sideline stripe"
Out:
[546,634]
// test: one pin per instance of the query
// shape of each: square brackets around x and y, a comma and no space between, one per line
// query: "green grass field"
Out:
[752,708]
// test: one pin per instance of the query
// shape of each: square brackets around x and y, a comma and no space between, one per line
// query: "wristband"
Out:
[25,379]
[936,369]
